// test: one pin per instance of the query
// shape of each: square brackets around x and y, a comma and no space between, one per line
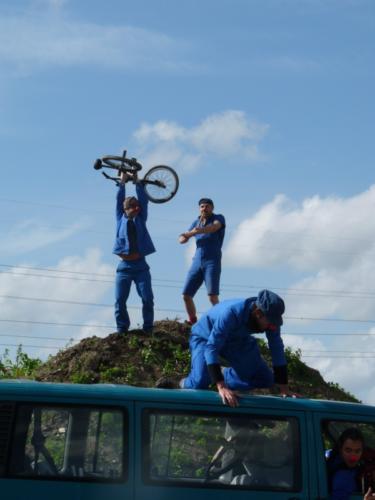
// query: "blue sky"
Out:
[265,106]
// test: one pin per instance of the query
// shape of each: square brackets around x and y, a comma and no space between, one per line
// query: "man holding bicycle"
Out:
[132,244]
[208,230]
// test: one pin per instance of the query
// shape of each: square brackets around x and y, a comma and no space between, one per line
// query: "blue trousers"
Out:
[207,271]
[139,272]
[247,371]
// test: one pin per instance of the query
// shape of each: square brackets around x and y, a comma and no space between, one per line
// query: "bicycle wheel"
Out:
[119,162]
[160,183]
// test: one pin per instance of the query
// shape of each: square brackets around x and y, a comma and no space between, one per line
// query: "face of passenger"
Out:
[351,452]
[206,209]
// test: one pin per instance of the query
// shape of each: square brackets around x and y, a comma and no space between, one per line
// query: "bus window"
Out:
[259,453]
[361,474]
[80,443]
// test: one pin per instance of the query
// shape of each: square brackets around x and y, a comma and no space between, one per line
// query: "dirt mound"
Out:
[140,359]
[135,358]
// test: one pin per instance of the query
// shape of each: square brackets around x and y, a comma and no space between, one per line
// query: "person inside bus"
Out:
[132,244]
[345,467]
[225,331]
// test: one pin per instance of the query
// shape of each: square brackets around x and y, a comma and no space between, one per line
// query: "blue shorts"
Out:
[207,271]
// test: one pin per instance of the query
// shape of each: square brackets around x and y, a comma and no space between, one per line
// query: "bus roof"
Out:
[111,394]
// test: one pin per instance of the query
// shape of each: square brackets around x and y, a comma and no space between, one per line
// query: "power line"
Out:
[113,327]
[78,303]
[55,323]
[56,277]
[38,337]
[371,356]
[306,292]
[224,288]
[32,346]
[331,319]
[338,357]
[303,334]
[96,304]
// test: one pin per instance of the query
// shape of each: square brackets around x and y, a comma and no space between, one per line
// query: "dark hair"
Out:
[206,200]
[334,464]
[351,433]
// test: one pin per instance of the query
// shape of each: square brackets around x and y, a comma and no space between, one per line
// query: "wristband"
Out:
[215,373]
[280,374]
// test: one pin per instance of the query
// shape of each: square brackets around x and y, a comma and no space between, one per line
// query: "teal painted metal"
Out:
[136,401]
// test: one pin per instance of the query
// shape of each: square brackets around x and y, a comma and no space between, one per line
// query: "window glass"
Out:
[213,450]
[104,443]
[60,442]
[350,462]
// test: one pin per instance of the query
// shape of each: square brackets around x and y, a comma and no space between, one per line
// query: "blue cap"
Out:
[272,306]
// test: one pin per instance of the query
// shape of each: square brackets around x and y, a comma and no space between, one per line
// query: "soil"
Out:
[140,359]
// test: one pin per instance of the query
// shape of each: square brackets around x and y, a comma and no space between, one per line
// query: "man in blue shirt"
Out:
[132,244]
[208,230]
[225,332]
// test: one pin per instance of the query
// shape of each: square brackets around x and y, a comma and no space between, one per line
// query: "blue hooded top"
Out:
[225,327]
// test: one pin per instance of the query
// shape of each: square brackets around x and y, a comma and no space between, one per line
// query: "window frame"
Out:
[319,419]
[124,476]
[147,412]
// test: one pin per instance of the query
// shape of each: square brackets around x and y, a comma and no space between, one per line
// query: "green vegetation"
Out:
[22,367]
[140,359]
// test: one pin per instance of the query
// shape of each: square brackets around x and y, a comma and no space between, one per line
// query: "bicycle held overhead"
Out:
[160,182]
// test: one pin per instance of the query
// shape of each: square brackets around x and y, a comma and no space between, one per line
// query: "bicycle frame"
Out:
[160,182]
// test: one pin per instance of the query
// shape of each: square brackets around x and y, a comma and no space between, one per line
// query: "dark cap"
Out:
[206,200]
[272,306]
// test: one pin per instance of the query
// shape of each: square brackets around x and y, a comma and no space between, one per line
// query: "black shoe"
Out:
[166,383]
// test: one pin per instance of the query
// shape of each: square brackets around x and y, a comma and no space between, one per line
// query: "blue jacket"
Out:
[209,244]
[144,242]
[344,481]
[226,327]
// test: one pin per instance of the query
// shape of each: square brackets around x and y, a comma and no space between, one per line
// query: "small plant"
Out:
[133,342]
[23,366]
[81,378]
[111,374]
[130,374]
[148,354]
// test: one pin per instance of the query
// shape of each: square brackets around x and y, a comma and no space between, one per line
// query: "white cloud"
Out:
[30,235]
[45,37]
[330,242]
[343,361]
[218,135]
[46,288]
[321,233]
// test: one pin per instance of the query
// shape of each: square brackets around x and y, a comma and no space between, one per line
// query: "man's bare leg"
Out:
[190,308]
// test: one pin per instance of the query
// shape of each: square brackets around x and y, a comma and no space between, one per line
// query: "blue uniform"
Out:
[344,480]
[133,270]
[206,265]
[224,332]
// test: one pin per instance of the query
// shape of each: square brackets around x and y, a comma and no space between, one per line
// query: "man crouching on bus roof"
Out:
[223,332]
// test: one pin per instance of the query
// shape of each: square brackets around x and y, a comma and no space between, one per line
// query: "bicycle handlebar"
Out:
[98,164]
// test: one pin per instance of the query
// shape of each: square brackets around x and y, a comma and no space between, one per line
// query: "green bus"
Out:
[101,442]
